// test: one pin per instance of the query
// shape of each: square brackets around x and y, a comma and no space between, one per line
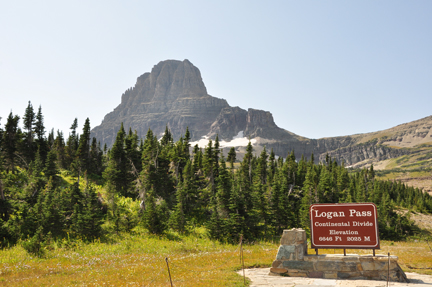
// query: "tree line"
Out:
[164,184]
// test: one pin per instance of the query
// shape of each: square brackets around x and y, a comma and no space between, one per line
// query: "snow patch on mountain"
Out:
[238,140]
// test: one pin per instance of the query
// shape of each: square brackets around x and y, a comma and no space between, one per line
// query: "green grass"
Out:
[139,259]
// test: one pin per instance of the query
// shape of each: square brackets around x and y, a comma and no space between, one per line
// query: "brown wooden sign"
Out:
[344,225]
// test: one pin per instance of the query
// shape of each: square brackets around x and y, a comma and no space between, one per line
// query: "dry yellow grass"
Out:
[139,260]
[134,260]
[413,256]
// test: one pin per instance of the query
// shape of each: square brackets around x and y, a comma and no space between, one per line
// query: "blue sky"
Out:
[322,68]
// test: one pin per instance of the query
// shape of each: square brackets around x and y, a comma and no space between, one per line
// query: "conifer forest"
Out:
[54,186]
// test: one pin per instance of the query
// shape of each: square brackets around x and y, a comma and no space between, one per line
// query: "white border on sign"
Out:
[347,246]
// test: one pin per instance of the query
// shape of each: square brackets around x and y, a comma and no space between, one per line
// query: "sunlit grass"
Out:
[412,256]
[134,259]
[139,259]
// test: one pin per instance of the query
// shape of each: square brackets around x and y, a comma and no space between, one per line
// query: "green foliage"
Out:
[155,218]
[35,244]
[86,219]
[29,121]
[159,185]
[11,137]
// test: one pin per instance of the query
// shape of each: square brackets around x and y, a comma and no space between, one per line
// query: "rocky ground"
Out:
[424,221]
[260,277]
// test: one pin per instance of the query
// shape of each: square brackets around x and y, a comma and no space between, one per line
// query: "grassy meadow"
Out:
[139,259]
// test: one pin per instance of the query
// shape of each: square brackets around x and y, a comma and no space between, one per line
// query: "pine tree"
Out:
[189,205]
[51,169]
[186,145]
[156,173]
[262,167]
[29,120]
[50,139]
[87,216]
[325,187]
[216,152]
[231,157]
[245,193]
[83,159]
[197,160]
[360,188]
[155,216]
[72,143]
[37,180]
[5,208]
[215,225]
[117,171]
[59,147]
[301,171]
[167,138]
[309,197]
[51,217]
[133,153]
[281,216]
[96,158]
[236,224]
[224,186]
[39,130]
[290,169]
[177,220]
[2,195]
[150,152]
[10,142]
[272,166]
[209,165]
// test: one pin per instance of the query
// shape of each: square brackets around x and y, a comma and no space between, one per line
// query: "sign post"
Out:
[344,225]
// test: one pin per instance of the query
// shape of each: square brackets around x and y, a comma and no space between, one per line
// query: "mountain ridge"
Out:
[173,95]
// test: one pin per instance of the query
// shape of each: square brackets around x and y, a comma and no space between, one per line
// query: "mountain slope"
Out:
[174,95]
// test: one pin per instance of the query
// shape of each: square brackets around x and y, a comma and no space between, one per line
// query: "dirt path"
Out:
[260,278]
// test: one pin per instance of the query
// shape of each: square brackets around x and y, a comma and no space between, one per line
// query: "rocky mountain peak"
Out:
[172,94]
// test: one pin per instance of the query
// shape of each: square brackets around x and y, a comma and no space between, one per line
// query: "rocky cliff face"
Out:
[253,123]
[230,121]
[174,95]
[362,152]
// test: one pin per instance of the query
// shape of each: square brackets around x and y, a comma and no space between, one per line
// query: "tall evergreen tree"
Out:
[231,157]
[310,196]
[29,121]
[86,219]
[51,170]
[96,158]
[72,143]
[189,205]
[83,160]
[156,173]
[117,171]
[156,214]
[59,147]
[209,165]
[39,129]
[10,142]
[133,153]
[4,208]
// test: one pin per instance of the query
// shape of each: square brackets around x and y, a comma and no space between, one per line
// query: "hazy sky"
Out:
[322,68]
